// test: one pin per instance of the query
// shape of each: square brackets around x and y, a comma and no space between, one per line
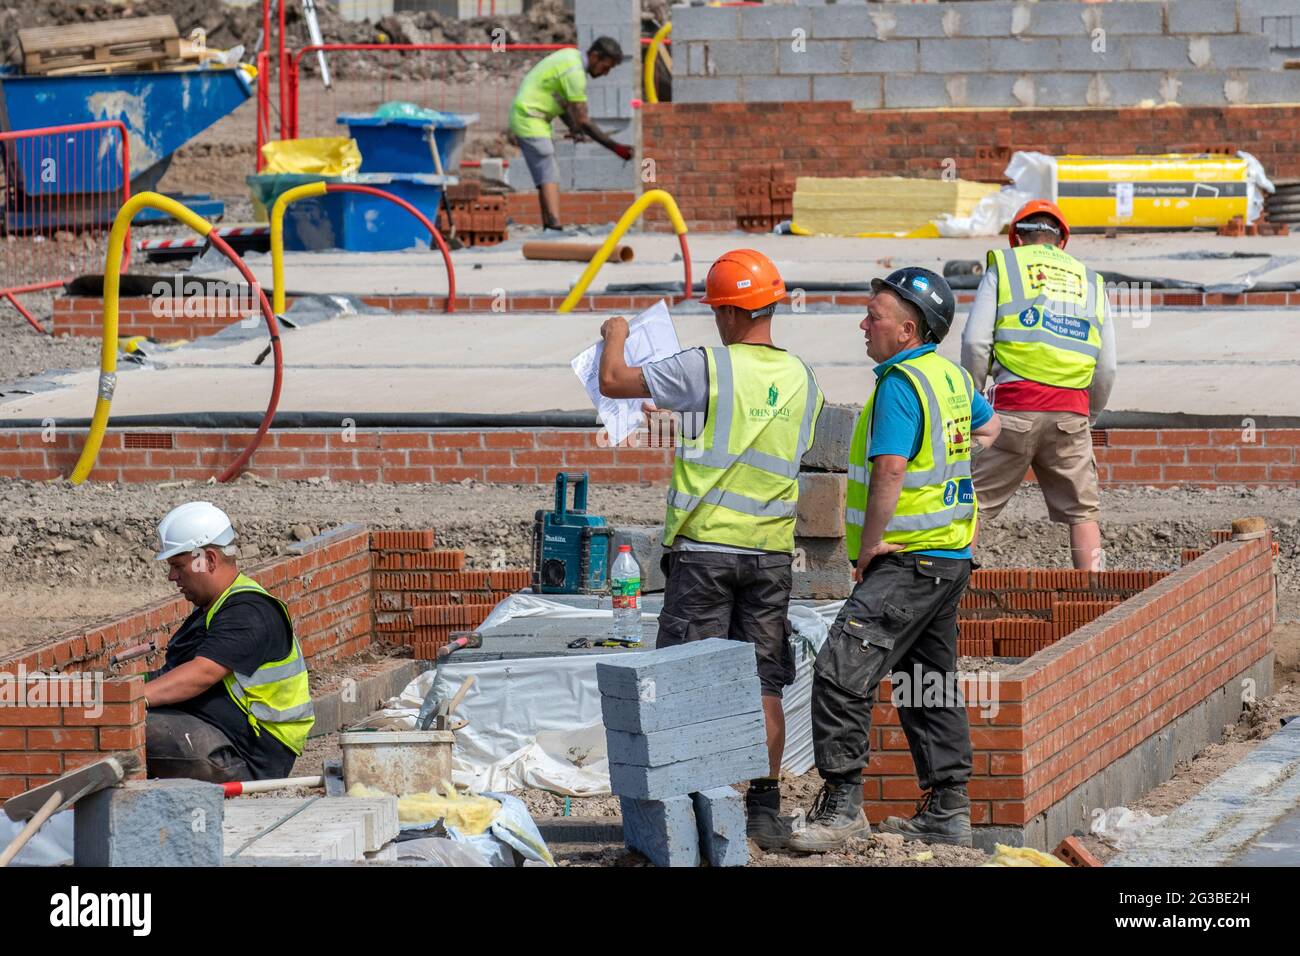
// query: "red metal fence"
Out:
[60,187]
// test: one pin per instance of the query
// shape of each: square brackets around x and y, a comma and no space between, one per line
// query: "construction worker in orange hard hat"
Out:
[1041,327]
[748,414]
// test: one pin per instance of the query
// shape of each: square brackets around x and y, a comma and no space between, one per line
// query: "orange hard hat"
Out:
[1034,207]
[744,278]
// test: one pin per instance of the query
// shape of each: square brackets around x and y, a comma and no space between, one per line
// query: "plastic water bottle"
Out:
[625,586]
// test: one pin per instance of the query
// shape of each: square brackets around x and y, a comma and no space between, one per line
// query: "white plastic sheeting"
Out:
[535,722]
[52,845]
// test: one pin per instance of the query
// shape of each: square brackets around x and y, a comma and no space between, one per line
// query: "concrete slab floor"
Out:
[1197,362]
[801,259]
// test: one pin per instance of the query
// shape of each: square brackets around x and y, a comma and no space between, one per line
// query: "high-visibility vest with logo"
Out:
[736,482]
[275,697]
[936,507]
[1051,308]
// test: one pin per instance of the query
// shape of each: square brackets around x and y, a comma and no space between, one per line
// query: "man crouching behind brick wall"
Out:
[231,701]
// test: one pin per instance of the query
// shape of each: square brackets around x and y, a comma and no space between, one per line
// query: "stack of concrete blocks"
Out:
[990,53]
[588,165]
[682,724]
[821,564]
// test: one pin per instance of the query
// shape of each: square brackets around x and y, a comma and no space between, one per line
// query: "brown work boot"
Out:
[942,816]
[836,819]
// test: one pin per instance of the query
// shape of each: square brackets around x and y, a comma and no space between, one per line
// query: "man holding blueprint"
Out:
[748,414]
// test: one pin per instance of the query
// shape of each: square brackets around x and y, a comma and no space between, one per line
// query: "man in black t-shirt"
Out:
[195,729]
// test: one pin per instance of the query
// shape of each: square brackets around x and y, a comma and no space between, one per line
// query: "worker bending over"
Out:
[1041,326]
[557,87]
[908,523]
[231,701]
[749,412]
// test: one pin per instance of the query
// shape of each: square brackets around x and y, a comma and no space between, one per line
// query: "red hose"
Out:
[274,327]
[433,230]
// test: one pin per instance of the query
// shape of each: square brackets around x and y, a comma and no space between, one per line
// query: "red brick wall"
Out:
[1081,703]
[327,588]
[697,147]
[399,455]
[577,209]
[1161,457]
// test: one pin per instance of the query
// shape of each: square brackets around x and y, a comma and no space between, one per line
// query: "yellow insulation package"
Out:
[1172,191]
[880,206]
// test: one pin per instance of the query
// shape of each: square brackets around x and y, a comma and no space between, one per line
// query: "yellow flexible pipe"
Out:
[654,196]
[652,54]
[277,237]
[112,286]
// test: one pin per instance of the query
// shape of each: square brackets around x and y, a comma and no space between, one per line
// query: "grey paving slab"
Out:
[685,743]
[689,776]
[660,674]
[676,710]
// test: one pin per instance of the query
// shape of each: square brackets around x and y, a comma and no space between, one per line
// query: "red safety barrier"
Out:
[60,187]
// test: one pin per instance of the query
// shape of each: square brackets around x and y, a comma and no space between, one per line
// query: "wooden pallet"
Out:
[100,47]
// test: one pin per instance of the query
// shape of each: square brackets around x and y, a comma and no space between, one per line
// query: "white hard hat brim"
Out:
[221,540]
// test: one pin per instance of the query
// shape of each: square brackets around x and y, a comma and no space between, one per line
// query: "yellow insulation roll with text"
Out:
[1173,191]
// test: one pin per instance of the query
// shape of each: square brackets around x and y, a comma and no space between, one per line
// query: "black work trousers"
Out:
[901,618]
[180,745]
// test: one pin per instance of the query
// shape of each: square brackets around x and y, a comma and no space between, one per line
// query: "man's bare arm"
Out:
[617,378]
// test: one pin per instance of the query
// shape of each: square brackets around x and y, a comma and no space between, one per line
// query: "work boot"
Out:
[836,819]
[763,823]
[942,816]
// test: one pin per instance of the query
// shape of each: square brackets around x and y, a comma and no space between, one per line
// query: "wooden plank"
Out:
[73,36]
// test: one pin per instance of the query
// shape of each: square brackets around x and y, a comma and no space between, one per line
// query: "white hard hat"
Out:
[193,525]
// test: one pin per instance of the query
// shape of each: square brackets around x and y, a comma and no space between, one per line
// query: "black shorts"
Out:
[742,597]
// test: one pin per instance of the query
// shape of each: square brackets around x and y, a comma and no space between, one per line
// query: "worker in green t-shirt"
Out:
[557,87]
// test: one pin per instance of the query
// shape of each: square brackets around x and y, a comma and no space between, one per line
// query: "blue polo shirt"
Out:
[899,419]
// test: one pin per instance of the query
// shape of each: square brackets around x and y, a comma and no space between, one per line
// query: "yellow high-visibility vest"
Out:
[276,696]
[936,508]
[1051,308]
[736,483]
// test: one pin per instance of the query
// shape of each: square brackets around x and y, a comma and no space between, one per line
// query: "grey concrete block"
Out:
[1132,19]
[721,90]
[955,56]
[697,61]
[647,547]
[720,818]
[1056,20]
[1116,53]
[774,23]
[676,710]
[1061,89]
[983,90]
[819,554]
[1160,53]
[832,438]
[988,19]
[896,20]
[1195,88]
[664,831]
[915,90]
[689,776]
[865,92]
[1028,55]
[880,56]
[842,21]
[1132,89]
[826,584]
[1201,16]
[1274,86]
[150,823]
[1247,52]
[820,511]
[705,23]
[758,89]
[685,743]
[817,56]
[659,676]
[747,57]
[607,172]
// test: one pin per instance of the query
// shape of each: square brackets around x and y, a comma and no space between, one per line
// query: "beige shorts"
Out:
[1058,446]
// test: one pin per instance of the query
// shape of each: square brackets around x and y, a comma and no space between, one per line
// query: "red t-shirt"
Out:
[1027,396]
